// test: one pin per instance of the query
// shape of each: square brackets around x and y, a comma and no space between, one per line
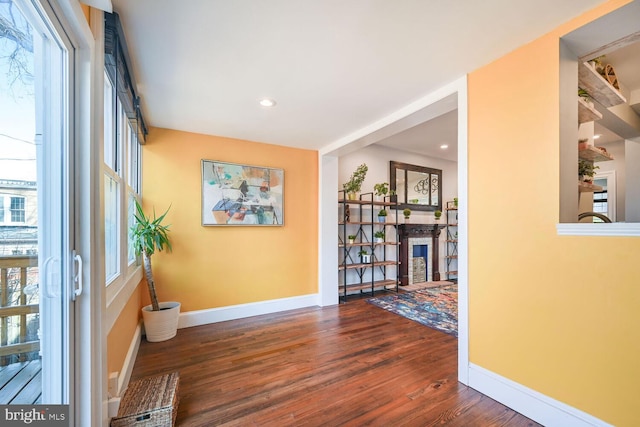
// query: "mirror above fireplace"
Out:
[416,187]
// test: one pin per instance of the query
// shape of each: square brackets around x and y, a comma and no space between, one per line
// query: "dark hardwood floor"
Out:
[353,364]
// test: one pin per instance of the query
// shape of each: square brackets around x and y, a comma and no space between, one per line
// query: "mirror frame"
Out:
[393,166]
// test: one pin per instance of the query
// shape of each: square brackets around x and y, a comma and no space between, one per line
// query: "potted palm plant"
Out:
[148,236]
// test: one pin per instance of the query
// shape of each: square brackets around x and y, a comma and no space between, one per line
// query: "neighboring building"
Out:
[18,217]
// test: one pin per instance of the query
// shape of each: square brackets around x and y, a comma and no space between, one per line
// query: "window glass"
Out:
[131,211]
[17,209]
[109,122]
[111,227]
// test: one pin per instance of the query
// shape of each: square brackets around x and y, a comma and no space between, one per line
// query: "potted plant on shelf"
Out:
[455,202]
[407,213]
[149,236]
[379,235]
[351,238]
[354,184]
[437,214]
[382,189]
[585,97]
[586,171]
[382,215]
[366,257]
[583,144]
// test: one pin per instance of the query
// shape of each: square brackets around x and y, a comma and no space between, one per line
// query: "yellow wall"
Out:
[560,315]
[119,339]
[228,265]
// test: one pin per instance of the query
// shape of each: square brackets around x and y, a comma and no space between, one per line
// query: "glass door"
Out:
[36,265]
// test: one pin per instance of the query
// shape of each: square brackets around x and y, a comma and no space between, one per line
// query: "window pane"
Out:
[1,209]
[134,157]
[109,141]
[17,209]
[111,228]
[131,210]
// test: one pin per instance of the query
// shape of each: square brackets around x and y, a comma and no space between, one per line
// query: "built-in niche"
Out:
[416,187]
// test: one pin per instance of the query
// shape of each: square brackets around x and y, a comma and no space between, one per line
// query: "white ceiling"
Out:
[332,66]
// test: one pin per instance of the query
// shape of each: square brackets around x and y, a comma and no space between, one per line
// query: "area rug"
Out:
[436,308]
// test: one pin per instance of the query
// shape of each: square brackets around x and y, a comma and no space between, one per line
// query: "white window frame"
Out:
[610,176]
[5,207]
[126,148]
[24,209]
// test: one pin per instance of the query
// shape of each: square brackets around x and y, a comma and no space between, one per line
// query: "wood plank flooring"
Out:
[21,383]
[353,365]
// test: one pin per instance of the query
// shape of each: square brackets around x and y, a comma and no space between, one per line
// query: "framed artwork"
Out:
[235,194]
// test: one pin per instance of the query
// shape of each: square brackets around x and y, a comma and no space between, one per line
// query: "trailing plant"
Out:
[357,178]
[149,236]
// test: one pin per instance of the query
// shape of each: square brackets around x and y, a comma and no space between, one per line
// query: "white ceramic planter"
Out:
[161,325]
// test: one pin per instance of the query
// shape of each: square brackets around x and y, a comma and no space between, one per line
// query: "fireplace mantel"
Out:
[408,231]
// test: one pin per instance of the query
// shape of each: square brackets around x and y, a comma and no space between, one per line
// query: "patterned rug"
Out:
[436,308]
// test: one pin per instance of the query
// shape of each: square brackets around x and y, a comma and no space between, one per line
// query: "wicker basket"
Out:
[149,402]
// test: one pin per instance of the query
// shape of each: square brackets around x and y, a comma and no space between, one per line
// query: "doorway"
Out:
[419,112]
[36,215]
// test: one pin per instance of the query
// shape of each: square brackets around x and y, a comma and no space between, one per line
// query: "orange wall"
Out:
[86,10]
[560,315]
[228,265]
[119,339]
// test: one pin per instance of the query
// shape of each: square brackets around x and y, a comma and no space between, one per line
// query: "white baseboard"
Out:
[129,361]
[214,315]
[530,403]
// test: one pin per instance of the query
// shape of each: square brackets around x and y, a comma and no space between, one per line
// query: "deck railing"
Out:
[19,308]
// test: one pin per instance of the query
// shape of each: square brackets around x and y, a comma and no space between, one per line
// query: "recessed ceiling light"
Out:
[444,146]
[266,102]
[597,136]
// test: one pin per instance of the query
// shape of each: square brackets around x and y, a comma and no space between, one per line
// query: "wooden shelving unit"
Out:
[597,87]
[583,187]
[586,112]
[382,273]
[594,154]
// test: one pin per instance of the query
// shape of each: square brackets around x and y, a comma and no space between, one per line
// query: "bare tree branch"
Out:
[11,32]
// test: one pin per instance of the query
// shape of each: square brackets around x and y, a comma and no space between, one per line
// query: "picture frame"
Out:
[238,194]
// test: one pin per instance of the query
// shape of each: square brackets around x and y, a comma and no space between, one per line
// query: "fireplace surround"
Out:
[411,234]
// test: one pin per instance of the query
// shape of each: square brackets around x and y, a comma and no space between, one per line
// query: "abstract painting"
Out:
[235,194]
